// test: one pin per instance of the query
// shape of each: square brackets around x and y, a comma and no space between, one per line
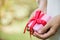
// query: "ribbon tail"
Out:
[31,28]
[25,28]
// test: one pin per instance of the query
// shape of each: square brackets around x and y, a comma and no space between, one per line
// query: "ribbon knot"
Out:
[35,19]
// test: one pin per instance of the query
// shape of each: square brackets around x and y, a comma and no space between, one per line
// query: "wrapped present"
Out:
[37,22]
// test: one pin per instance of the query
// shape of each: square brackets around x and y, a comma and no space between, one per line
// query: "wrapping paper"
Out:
[37,22]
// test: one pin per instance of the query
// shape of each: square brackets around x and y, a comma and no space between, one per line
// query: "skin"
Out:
[52,25]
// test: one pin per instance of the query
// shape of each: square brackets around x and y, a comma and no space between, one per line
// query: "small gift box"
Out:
[37,22]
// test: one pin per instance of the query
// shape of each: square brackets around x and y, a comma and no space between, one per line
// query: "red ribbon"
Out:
[36,19]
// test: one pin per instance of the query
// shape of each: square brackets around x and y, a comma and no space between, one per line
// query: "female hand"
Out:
[50,28]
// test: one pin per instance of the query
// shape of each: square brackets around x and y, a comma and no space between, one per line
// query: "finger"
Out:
[55,27]
[33,13]
[38,35]
[45,28]
[51,32]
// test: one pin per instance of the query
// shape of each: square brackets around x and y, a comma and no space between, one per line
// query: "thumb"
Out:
[45,28]
[34,12]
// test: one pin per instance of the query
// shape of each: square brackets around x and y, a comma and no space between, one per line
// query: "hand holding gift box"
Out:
[37,22]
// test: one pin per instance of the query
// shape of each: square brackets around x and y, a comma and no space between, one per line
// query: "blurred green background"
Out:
[18,35]
[14,30]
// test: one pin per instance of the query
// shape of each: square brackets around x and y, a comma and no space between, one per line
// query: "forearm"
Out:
[42,4]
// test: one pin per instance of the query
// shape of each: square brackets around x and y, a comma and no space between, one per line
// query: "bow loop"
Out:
[36,19]
[43,22]
[37,14]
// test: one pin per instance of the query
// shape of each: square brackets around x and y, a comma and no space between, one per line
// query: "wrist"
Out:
[42,5]
[43,9]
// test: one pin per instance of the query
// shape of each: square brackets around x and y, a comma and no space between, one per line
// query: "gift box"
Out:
[37,22]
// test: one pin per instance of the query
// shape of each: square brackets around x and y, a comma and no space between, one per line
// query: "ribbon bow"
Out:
[35,19]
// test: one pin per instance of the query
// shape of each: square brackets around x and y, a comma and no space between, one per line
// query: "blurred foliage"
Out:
[19,35]
[20,24]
